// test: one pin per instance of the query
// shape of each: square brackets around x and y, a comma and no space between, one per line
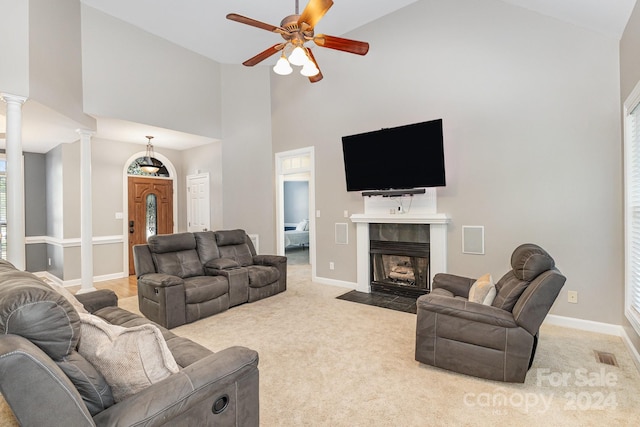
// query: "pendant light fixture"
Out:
[149,163]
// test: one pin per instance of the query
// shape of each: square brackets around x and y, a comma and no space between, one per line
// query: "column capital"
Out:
[7,97]
[85,132]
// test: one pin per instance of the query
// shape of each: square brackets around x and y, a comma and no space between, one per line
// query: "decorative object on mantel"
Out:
[150,164]
[297,30]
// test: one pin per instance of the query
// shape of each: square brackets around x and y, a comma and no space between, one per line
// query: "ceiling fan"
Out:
[296,30]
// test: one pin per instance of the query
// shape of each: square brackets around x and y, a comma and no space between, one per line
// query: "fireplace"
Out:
[418,210]
[399,258]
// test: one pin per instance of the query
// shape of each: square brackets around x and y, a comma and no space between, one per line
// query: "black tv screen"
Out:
[402,157]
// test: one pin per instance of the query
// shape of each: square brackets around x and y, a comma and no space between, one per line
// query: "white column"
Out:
[86,214]
[15,182]
[362,258]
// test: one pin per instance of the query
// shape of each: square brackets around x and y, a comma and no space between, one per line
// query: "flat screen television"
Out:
[402,157]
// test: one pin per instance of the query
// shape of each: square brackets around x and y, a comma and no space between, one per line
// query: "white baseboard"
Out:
[599,327]
[334,282]
[75,282]
[584,325]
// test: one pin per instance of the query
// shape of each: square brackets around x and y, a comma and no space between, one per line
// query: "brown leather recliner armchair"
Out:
[497,341]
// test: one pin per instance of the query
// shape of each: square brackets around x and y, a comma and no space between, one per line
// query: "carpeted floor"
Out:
[330,362]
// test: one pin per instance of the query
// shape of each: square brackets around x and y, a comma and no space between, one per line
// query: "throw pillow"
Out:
[68,295]
[483,291]
[130,359]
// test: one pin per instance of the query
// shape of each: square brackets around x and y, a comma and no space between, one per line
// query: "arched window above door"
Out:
[135,169]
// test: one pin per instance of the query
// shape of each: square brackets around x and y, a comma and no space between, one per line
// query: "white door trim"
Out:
[280,174]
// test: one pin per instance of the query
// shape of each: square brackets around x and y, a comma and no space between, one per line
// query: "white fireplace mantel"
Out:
[438,240]
[401,218]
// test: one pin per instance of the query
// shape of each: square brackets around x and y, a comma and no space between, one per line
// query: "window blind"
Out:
[632,154]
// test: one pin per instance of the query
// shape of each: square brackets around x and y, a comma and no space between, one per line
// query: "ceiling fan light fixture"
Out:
[282,67]
[296,30]
[298,56]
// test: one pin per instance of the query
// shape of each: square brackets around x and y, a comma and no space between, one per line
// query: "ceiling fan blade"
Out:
[317,77]
[249,21]
[263,55]
[338,43]
[314,11]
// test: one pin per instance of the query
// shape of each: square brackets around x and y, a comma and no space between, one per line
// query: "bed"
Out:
[298,236]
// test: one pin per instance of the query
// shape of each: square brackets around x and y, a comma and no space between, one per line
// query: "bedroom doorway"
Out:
[295,204]
[296,217]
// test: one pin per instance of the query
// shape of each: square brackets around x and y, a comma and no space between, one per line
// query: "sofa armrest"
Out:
[457,285]
[277,261]
[30,378]
[94,301]
[232,372]
[273,260]
[162,299]
[221,264]
[160,280]
[467,310]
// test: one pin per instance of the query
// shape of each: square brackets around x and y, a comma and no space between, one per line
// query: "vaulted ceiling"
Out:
[201,26]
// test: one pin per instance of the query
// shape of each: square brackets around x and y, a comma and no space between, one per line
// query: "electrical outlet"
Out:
[331,265]
[572,297]
[49,261]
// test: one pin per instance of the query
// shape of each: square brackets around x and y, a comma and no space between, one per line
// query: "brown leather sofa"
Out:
[47,382]
[497,341]
[185,277]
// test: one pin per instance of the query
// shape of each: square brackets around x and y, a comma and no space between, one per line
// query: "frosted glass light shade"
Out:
[298,56]
[309,69]
[282,67]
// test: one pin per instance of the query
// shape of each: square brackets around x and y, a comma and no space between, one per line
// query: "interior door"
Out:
[150,210]
[198,206]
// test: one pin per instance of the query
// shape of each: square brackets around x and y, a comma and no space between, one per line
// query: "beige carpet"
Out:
[328,362]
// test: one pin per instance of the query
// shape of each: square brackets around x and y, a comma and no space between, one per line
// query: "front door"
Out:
[150,210]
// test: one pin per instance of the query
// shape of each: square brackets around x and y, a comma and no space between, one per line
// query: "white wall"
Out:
[133,75]
[532,128]
[14,48]
[206,158]
[55,58]
[248,162]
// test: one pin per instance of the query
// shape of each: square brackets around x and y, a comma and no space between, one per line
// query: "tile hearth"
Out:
[393,302]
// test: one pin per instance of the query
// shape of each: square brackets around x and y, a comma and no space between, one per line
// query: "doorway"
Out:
[296,218]
[150,210]
[169,179]
[296,166]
